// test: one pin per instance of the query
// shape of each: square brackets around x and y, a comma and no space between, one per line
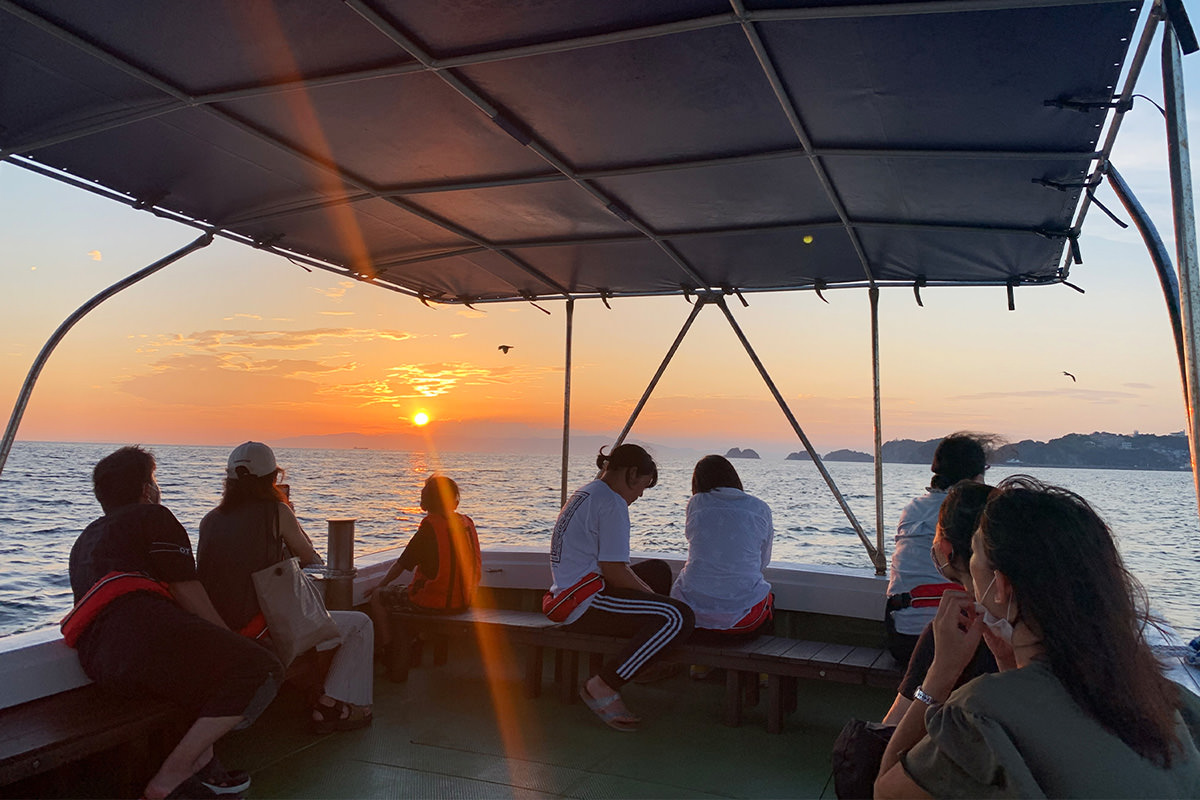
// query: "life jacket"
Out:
[459,565]
[103,592]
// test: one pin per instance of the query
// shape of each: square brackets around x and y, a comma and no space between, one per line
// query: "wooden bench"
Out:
[128,739]
[783,660]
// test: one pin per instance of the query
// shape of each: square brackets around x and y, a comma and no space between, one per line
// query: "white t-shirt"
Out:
[729,537]
[912,565]
[592,527]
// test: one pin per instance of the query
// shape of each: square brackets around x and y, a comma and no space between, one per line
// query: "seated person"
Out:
[914,584]
[729,536]
[951,554]
[597,590]
[443,556]
[858,750]
[253,528]
[144,626]
[1080,707]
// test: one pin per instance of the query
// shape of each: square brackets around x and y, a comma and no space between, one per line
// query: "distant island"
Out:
[1090,450]
[736,453]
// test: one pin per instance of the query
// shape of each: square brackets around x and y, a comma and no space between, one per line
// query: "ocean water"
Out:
[46,500]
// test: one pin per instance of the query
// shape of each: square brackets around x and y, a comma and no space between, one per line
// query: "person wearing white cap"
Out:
[252,528]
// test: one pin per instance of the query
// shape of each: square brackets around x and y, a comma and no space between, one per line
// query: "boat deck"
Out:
[459,730]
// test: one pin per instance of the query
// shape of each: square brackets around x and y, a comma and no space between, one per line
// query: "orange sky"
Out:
[230,344]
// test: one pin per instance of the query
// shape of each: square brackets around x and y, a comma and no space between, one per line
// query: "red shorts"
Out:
[756,617]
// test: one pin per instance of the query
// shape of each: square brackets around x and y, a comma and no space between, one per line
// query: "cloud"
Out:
[470,313]
[243,316]
[1138,385]
[337,313]
[335,292]
[211,380]
[425,381]
[1084,395]
[223,340]
[458,335]
[95,255]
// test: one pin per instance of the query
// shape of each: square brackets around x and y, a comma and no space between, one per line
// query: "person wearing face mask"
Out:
[1080,707]
[859,748]
[597,590]
[914,583]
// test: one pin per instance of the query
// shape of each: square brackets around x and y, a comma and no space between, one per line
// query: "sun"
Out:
[420,419]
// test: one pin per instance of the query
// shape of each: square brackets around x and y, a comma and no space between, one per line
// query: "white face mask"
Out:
[1000,626]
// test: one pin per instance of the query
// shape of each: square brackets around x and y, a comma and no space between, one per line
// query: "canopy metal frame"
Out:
[416,57]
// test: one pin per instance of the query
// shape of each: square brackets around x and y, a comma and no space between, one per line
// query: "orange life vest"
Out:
[459,565]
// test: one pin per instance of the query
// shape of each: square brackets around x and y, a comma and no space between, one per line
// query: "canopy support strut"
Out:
[700,303]
[14,421]
[1179,162]
[1162,264]
[875,552]
[878,557]
[566,439]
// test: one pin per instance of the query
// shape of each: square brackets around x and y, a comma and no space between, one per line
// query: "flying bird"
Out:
[1069,375]
[504,348]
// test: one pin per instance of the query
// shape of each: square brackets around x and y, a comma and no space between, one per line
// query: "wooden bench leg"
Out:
[751,681]
[534,654]
[733,698]
[441,649]
[570,676]
[791,688]
[774,704]
[400,656]
[558,667]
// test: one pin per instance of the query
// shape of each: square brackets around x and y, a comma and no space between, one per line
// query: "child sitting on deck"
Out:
[443,556]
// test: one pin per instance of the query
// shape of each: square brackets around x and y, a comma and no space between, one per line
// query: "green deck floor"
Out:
[448,733]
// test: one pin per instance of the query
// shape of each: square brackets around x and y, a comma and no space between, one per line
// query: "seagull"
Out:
[1069,375]
[504,348]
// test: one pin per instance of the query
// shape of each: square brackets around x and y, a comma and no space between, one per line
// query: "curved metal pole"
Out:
[1179,163]
[566,443]
[1162,264]
[879,556]
[787,412]
[14,421]
[700,303]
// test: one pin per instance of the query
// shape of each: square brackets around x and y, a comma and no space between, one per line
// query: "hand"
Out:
[957,629]
[1001,649]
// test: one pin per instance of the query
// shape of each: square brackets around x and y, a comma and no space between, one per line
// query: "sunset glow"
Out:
[420,419]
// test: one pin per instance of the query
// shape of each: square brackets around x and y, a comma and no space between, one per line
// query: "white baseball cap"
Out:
[256,457]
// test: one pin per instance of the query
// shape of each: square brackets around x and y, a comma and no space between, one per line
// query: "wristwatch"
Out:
[924,697]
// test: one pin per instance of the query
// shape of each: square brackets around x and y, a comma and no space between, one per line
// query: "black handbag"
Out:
[857,753]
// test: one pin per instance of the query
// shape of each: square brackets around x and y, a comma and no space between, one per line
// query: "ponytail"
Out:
[629,455]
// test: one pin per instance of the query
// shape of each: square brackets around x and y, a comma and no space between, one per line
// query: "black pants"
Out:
[653,622]
[143,644]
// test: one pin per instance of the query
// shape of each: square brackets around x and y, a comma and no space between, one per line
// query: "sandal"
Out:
[603,708]
[338,717]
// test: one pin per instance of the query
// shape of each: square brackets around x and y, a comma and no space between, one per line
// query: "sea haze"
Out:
[46,500]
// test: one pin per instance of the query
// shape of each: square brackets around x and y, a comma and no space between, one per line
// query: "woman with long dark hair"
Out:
[252,528]
[1081,707]
[597,590]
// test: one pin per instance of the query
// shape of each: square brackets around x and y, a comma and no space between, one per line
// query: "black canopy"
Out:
[497,150]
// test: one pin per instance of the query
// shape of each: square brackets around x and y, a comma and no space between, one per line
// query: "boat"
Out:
[554,153]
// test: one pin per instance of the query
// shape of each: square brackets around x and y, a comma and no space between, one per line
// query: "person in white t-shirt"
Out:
[729,537]
[915,585]
[597,590]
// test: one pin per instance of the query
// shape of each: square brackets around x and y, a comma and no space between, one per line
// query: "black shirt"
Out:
[141,537]
[233,545]
[421,550]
